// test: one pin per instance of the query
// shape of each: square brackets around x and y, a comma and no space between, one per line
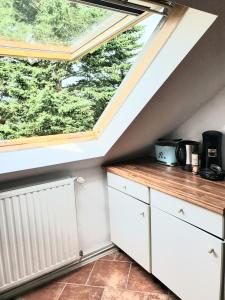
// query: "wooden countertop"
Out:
[176,182]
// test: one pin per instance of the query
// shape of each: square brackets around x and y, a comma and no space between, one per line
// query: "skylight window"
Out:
[47,94]
[40,97]
[64,29]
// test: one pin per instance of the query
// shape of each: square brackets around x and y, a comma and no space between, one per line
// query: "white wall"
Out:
[206,5]
[209,117]
[164,113]
[154,72]
[92,207]
[199,77]
[92,204]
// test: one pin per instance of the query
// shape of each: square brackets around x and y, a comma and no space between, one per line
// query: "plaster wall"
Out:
[209,117]
[195,82]
[91,197]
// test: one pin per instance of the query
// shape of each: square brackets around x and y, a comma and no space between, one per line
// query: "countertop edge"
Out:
[119,170]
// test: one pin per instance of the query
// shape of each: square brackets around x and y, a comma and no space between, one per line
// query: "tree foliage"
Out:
[46,21]
[34,99]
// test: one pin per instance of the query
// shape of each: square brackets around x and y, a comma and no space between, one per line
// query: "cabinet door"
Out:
[185,258]
[130,226]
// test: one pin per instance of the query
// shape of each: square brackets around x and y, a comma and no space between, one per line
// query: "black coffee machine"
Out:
[211,159]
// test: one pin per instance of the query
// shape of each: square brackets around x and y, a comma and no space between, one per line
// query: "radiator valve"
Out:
[80,180]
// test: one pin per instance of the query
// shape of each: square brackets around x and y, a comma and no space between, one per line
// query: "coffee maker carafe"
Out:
[211,159]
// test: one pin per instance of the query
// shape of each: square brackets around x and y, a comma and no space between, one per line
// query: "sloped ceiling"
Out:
[182,94]
[196,81]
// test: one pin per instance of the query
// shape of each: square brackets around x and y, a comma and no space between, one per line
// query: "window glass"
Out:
[41,97]
[58,22]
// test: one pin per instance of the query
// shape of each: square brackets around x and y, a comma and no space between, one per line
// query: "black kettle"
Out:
[184,152]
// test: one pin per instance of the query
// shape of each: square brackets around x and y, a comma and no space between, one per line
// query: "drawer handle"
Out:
[181,211]
[212,251]
[124,187]
[142,214]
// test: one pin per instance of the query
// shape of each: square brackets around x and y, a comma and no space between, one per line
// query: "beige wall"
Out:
[91,197]
[196,81]
[209,117]
[211,6]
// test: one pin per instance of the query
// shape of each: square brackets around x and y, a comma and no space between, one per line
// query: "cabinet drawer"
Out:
[198,216]
[129,187]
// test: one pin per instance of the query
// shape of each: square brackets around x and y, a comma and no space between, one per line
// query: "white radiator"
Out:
[38,231]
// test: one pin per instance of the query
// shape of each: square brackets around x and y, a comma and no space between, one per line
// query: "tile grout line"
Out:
[115,255]
[122,289]
[151,292]
[90,273]
[128,275]
[57,298]
[88,285]
[104,287]
[115,260]
[102,293]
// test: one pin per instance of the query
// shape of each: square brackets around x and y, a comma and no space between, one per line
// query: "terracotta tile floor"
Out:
[113,277]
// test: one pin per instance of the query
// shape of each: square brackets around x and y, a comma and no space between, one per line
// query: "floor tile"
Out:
[116,294]
[76,292]
[158,296]
[110,273]
[115,278]
[109,256]
[172,296]
[47,292]
[140,280]
[78,276]
[121,256]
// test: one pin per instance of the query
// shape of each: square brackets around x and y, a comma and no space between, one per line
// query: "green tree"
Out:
[25,10]
[47,21]
[34,103]
[33,99]
[9,27]
[102,71]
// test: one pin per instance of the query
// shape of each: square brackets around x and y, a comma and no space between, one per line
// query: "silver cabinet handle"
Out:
[124,187]
[142,214]
[212,251]
[181,211]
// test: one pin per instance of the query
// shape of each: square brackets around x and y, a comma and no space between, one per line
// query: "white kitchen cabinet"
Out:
[200,217]
[130,226]
[130,187]
[186,259]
